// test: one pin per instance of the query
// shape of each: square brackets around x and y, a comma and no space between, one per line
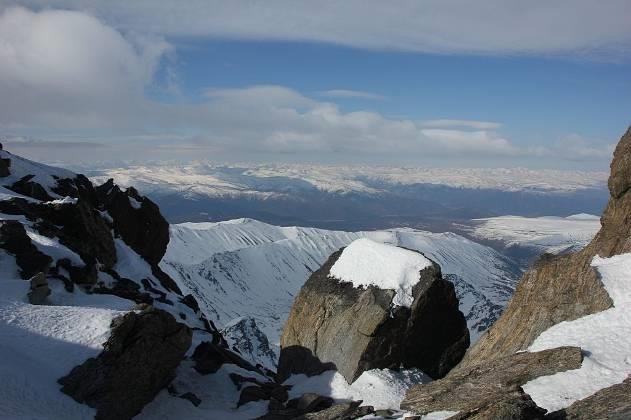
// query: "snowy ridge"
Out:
[368,263]
[544,234]
[254,269]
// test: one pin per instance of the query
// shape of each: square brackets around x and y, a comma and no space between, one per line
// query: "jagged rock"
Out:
[264,391]
[13,239]
[565,287]
[137,361]
[333,325]
[490,387]
[31,189]
[244,337]
[612,403]
[514,405]
[137,219]
[39,289]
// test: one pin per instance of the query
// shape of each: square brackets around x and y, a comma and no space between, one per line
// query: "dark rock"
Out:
[124,288]
[5,165]
[494,387]
[190,301]
[334,325]
[310,402]
[612,403]
[252,393]
[13,239]
[209,357]
[194,399]
[39,289]
[137,361]
[140,225]
[85,275]
[30,189]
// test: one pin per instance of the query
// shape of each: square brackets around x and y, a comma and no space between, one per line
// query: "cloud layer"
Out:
[68,72]
[443,26]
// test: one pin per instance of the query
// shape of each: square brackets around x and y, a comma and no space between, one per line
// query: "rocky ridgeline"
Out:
[334,325]
[147,345]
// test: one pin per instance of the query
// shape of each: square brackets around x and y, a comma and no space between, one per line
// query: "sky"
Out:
[482,83]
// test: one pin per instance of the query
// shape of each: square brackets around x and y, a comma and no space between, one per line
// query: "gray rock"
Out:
[491,387]
[564,287]
[613,403]
[333,325]
[39,289]
[138,360]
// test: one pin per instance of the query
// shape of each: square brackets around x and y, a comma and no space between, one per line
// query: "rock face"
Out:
[565,287]
[244,337]
[490,387]
[138,360]
[333,325]
[609,403]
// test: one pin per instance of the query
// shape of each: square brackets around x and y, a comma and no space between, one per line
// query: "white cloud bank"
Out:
[68,72]
[443,26]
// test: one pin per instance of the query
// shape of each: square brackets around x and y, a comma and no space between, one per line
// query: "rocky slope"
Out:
[568,288]
[86,311]
[374,306]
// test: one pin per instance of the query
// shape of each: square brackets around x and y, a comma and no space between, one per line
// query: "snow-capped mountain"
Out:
[248,268]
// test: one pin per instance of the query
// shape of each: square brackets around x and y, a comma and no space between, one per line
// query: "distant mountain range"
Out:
[358,197]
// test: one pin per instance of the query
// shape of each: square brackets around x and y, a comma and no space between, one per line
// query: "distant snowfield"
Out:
[368,263]
[262,181]
[604,337]
[545,234]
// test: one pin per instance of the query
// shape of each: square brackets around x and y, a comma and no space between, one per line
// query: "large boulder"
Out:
[405,314]
[138,360]
[613,402]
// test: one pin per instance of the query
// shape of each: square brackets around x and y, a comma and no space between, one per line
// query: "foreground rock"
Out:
[138,360]
[334,325]
[564,287]
[492,387]
[609,403]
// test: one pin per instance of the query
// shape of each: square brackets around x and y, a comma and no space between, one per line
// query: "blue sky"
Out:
[450,82]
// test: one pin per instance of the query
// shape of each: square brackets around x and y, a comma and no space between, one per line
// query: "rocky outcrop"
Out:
[564,287]
[245,338]
[14,240]
[317,407]
[609,403]
[488,387]
[137,219]
[333,325]
[137,361]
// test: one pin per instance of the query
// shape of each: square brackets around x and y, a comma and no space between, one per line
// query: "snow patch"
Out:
[368,263]
[604,337]
[381,388]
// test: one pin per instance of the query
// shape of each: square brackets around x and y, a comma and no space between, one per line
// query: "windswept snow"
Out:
[545,234]
[368,263]
[604,337]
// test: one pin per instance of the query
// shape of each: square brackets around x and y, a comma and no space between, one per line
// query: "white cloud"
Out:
[345,93]
[58,65]
[443,26]
[478,125]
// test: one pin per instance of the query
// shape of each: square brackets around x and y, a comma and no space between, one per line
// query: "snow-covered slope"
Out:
[248,268]
[542,234]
